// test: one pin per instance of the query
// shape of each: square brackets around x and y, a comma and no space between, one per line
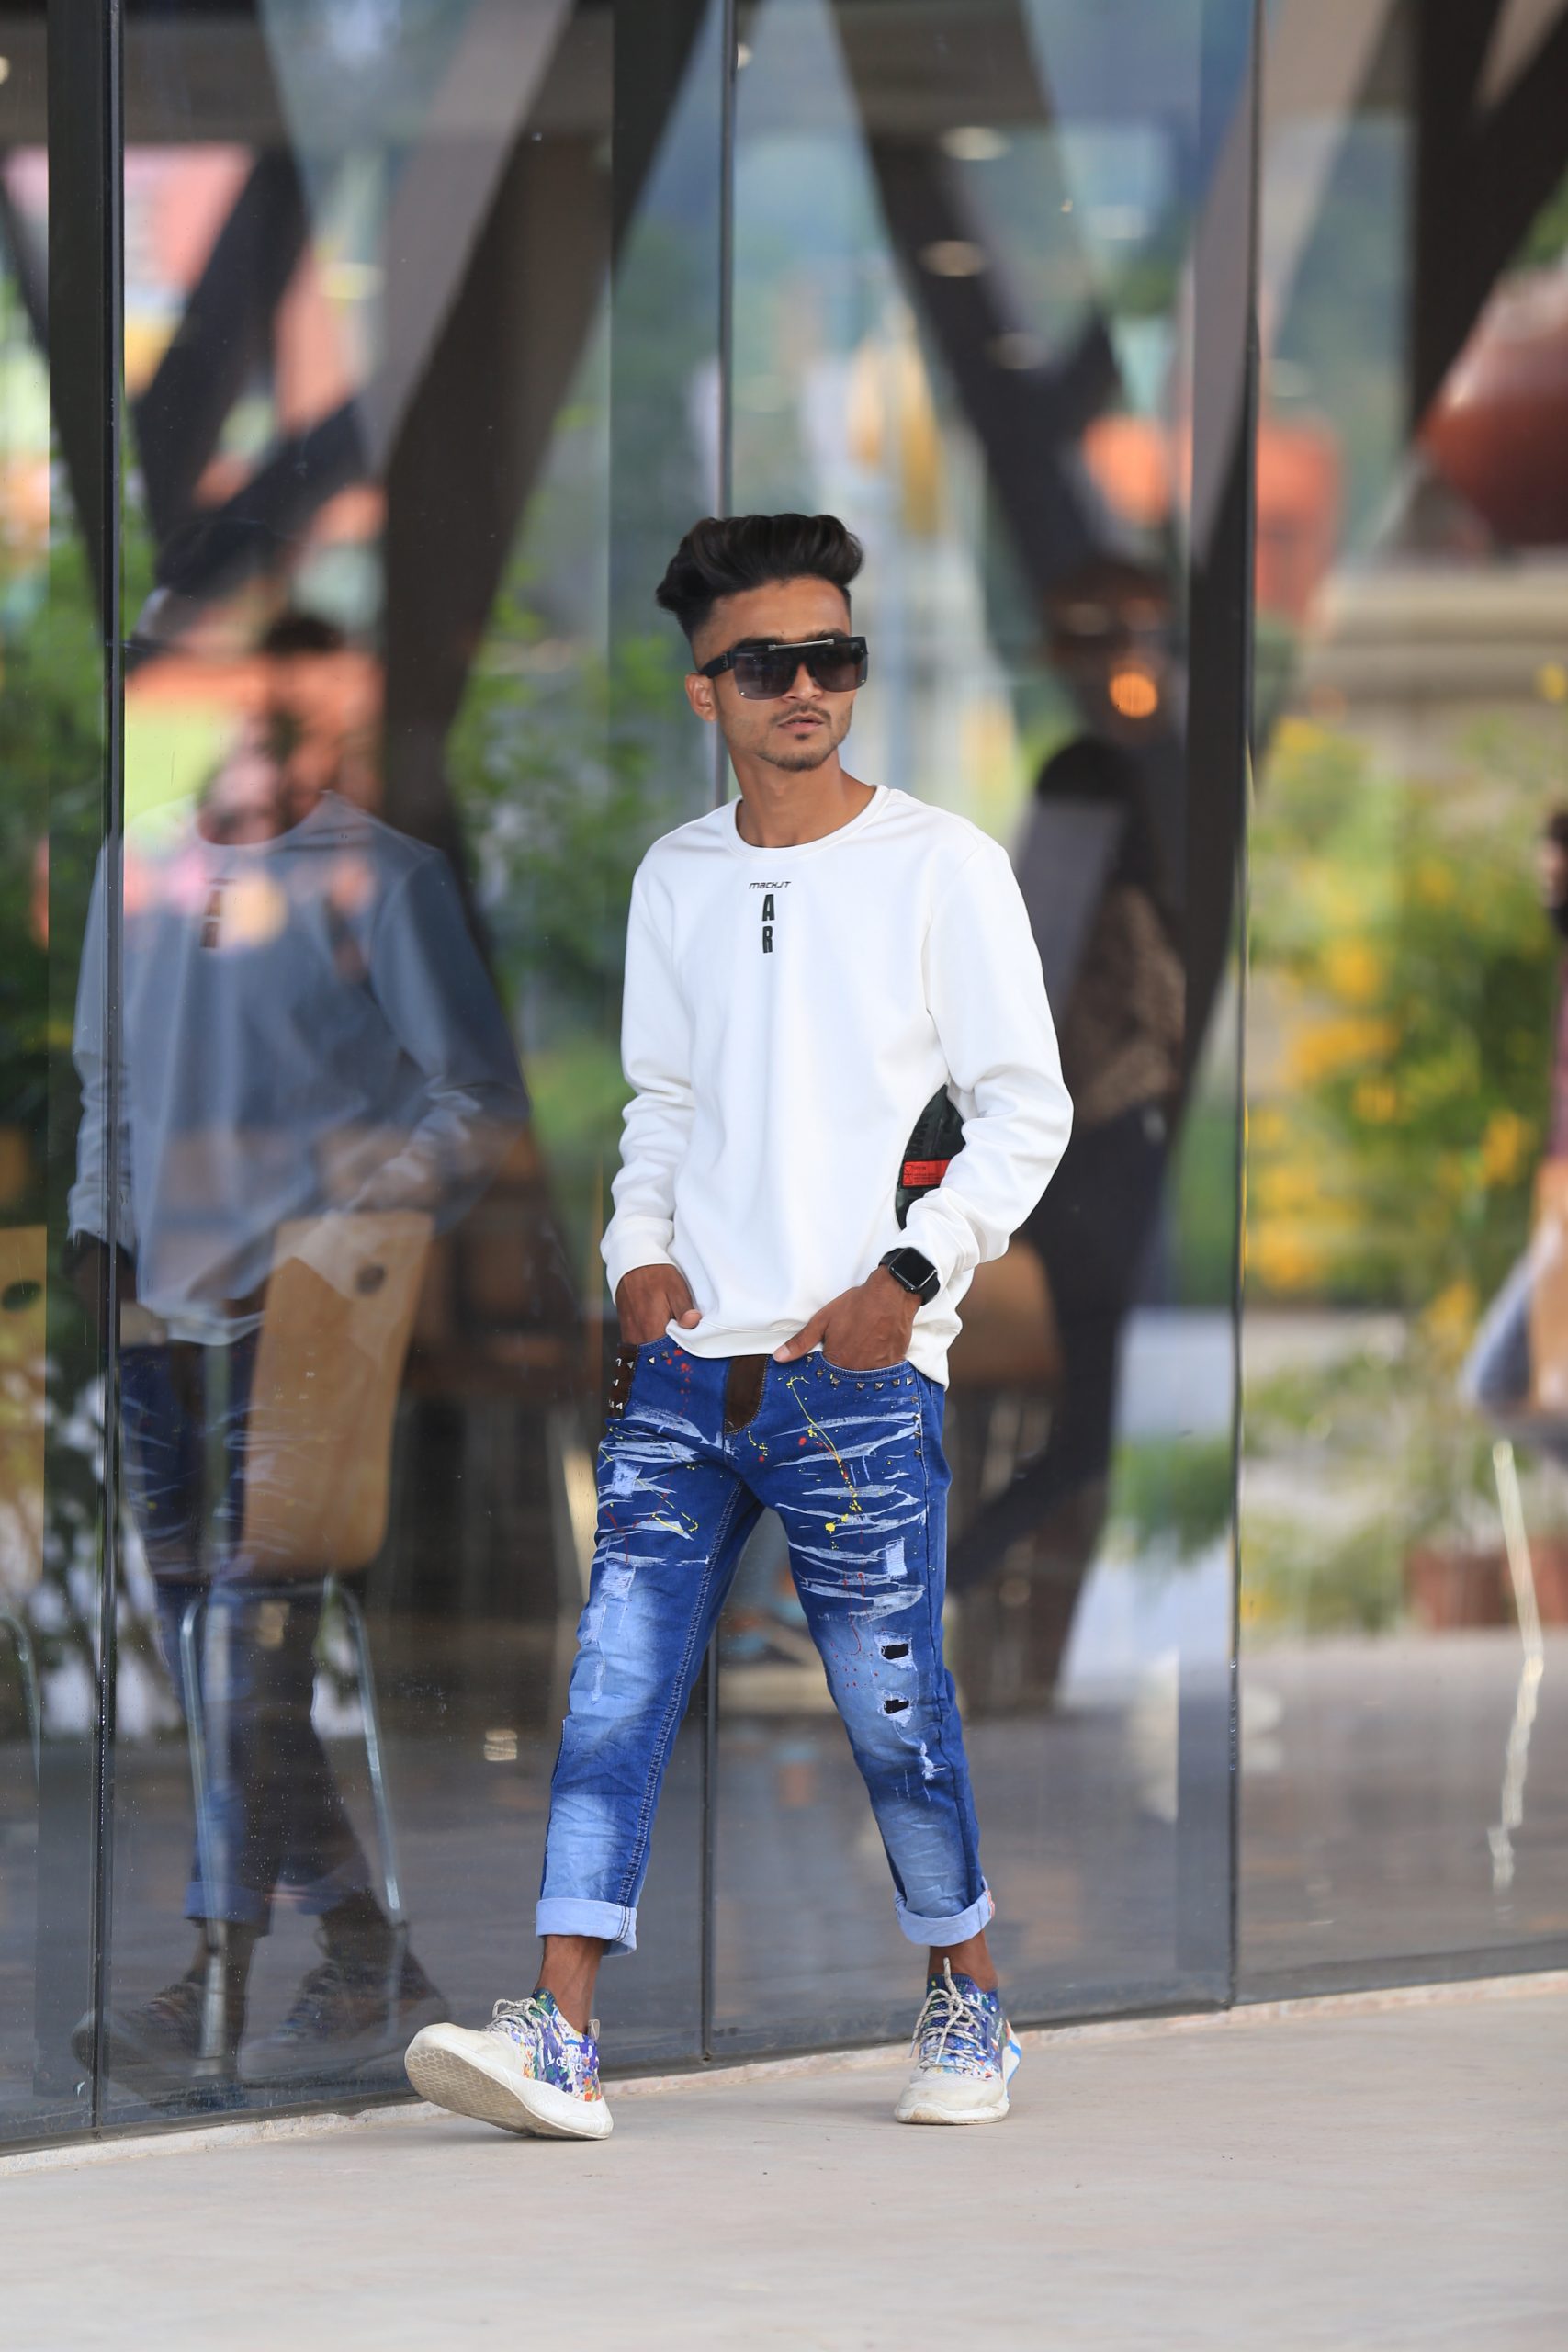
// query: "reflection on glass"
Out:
[50,1355]
[315,1077]
[1402,1538]
[1102,903]
[962,320]
[396,736]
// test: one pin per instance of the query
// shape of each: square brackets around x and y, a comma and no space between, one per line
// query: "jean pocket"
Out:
[862,1371]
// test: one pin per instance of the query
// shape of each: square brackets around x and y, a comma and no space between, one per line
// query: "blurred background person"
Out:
[310,1039]
[1095,879]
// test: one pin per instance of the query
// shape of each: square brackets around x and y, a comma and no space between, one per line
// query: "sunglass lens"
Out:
[765,673]
[839,672]
[764,676]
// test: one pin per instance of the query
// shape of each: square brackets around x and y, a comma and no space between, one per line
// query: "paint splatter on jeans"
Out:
[853,1464]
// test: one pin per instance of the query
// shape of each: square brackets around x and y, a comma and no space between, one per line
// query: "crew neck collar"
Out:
[743,848]
[329,810]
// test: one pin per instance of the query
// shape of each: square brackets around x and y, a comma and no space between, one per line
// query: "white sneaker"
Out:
[526,2071]
[965,2056]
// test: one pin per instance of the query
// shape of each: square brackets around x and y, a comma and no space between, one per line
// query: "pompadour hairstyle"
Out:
[723,557]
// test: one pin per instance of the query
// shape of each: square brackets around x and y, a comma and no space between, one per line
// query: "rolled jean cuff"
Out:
[569,1915]
[955,1930]
[242,1907]
[350,1876]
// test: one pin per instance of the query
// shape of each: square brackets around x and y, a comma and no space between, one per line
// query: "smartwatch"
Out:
[913,1273]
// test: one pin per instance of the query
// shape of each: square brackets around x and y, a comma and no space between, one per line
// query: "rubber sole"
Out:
[449,2078]
[951,2114]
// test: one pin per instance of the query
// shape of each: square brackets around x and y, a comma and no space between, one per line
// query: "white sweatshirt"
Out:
[788,1014]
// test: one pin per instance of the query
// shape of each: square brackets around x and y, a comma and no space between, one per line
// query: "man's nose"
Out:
[805,686]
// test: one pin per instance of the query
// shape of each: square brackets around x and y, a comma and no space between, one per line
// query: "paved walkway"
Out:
[1342,2176]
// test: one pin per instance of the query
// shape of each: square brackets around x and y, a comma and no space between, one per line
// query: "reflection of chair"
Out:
[333,1596]
[505,1374]
[329,1366]
[1005,1370]
[1004,1382]
[23,1340]
[317,1452]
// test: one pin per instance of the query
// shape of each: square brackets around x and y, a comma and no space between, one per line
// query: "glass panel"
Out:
[1404,1733]
[404,285]
[971,245]
[52,515]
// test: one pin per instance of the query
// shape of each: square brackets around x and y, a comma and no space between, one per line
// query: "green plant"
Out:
[1172,1497]
[1397,936]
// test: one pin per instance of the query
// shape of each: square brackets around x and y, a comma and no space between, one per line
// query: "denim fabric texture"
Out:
[852,1462]
[277,1825]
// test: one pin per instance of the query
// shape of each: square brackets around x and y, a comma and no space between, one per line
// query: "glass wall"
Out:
[969,270]
[1403,1734]
[338,712]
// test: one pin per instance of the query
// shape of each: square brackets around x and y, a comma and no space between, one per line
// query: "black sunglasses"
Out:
[766,672]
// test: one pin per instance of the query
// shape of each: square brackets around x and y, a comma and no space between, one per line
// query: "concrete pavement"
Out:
[1348,2175]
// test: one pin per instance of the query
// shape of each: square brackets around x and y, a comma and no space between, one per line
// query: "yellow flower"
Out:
[1298,738]
[1353,970]
[1376,1100]
[1450,1320]
[1328,1049]
[1283,1256]
[1285,1186]
[1504,1147]
[1435,885]
[1264,1129]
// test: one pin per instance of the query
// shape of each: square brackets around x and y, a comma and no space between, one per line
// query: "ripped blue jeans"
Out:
[696,1449]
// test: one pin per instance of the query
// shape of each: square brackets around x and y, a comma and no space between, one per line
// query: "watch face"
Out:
[914,1270]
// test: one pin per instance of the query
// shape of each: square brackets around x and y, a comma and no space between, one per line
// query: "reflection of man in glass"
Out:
[805,973]
[1093,876]
[309,1042]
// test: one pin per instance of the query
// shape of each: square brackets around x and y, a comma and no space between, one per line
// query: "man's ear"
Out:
[699,695]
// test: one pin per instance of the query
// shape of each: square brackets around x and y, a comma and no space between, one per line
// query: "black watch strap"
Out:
[913,1271]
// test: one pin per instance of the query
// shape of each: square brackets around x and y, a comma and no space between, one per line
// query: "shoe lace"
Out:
[528,2014]
[949,2015]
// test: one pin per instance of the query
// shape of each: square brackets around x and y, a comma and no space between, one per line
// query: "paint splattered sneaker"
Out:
[526,2071]
[965,2056]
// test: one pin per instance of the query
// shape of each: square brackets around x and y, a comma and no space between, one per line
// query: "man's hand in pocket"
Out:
[649,1299]
[863,1329]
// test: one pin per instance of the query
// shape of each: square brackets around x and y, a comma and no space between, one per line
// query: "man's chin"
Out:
[800,758]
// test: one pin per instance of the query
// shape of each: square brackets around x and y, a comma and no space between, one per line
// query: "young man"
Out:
[804,973]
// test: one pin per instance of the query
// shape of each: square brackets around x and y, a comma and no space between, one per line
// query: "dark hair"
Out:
[1555,829]
[297,632]
[723,557]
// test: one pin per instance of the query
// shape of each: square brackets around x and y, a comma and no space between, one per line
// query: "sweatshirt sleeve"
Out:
[656,1054]
[438,1001]
[988,998]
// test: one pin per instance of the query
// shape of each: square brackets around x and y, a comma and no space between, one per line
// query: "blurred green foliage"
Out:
[1397,932]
